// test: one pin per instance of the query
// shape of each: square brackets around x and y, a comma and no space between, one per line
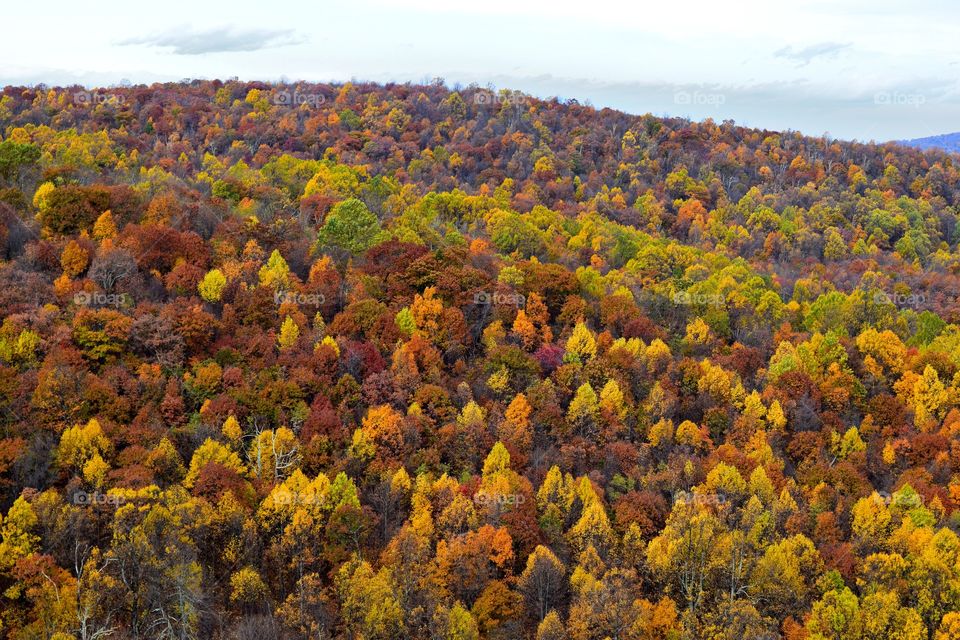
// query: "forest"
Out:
[374,362]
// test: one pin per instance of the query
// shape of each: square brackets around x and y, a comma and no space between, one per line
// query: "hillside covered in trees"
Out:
[385,362]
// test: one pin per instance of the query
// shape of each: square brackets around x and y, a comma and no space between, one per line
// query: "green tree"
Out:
[350,227]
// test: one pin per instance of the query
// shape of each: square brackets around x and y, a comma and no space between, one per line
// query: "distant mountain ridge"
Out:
[946,142]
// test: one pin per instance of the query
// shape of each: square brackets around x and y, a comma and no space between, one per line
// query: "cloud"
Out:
[806,55]
[219,40]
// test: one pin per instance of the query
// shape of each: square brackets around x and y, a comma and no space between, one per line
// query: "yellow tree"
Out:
[276,273]
[104,227]
[930,398]
[783,577]
[74,259]
[775,417]
[949,628]
[516,431]
[427,311]
[884,349]
[584,410]
[212,451]
[457,623]
[273,453]
[247,587]
[542,581]
[369,606]
[593,529]
[554,499]
[211,287]
[836,616]
[17,537]
[581,345]
[501,488]
[551,628]
[82,448]
[289,334]
[684,554]
[383,426]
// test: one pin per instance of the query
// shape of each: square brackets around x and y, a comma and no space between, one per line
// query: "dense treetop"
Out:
[362,361]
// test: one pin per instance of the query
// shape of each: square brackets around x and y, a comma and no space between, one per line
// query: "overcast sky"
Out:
[865,69]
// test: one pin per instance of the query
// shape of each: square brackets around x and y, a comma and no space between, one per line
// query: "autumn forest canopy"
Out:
[369,362]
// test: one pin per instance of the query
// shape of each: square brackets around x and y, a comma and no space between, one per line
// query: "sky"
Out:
[853,69]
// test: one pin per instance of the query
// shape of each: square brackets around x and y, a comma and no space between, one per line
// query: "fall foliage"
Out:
[408,363]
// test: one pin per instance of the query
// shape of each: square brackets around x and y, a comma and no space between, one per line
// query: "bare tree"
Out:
[112,267]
